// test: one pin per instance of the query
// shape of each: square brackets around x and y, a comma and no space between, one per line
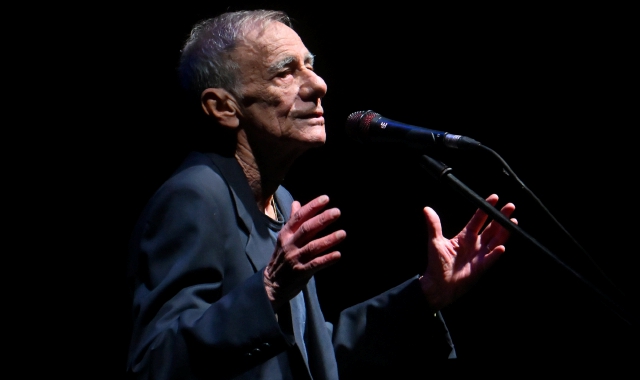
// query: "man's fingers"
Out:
[312,257]
[300,214]
[310,228]
[298,265]
[316,247]
[295,206]
[480,217]
[496,245]
[495,234]
[323,261]
[434,227]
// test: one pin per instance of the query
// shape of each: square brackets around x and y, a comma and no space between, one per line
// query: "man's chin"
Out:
[305,145]
[318,138]
[315,143]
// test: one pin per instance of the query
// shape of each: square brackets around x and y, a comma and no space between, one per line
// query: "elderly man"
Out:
[223,256]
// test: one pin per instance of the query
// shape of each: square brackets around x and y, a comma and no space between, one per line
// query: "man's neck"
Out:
[264,173]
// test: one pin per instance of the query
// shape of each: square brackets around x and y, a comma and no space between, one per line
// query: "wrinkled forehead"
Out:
[267,33]
[273,41]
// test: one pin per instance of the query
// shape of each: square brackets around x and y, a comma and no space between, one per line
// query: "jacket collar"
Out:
[258,249]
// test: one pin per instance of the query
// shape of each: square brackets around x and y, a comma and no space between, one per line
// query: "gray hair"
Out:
[205,61]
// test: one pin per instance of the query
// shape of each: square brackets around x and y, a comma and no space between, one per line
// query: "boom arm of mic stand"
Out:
[442,172]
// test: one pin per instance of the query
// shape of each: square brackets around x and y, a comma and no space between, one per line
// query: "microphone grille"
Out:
[358,123]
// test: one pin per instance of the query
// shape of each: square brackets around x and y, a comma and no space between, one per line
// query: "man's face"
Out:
[281,91]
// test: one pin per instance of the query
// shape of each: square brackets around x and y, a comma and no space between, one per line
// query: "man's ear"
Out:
[221,105]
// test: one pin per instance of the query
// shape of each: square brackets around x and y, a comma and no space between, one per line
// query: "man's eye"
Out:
[283,74]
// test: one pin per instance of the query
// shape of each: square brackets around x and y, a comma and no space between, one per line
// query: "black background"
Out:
[551,89]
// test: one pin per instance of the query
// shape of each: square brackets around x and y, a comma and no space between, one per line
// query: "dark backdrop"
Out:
[547,88]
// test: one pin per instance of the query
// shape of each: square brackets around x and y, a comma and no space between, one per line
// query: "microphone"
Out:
[369,126]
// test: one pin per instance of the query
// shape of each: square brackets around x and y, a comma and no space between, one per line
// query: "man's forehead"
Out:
[275,40]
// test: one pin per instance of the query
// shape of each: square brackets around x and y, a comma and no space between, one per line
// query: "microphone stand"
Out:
[442,172]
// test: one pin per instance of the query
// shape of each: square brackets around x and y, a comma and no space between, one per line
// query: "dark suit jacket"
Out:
[201,311]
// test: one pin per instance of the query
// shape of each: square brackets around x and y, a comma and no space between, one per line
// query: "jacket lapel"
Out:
[258,248]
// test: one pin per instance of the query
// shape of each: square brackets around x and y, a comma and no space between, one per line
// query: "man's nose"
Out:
[313,87]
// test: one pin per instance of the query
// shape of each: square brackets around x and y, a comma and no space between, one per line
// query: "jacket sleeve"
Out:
[200,309]
[391,334]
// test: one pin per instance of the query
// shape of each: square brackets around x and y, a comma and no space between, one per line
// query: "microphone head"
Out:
[358,124]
